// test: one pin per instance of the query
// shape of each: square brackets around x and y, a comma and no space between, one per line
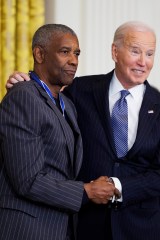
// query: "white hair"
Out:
[126,27]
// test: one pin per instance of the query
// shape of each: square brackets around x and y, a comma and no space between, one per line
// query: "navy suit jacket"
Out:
[40,157]
[139,172]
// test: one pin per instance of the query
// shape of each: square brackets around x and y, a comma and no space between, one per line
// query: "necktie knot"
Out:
[124,93]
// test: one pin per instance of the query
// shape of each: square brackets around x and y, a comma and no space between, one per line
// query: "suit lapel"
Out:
[149,111]
[71,116]
[101,97]
[65,126]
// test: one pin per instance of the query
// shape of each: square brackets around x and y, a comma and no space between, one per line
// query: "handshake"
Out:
[101,190]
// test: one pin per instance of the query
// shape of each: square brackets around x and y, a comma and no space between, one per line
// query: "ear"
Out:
[38,54]
[114,52]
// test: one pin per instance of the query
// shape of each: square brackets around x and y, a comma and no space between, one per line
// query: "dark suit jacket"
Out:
[40,157]
[139,172]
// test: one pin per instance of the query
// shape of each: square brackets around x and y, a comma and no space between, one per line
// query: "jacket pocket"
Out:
[19,205]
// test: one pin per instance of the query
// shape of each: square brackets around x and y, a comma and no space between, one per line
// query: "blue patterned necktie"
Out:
[120,124]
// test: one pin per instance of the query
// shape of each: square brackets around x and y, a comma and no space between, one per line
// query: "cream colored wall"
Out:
[95,21]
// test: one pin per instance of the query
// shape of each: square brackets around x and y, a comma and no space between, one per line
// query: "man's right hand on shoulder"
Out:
[16,77]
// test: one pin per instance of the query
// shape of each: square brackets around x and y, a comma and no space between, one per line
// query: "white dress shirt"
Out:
[134,101]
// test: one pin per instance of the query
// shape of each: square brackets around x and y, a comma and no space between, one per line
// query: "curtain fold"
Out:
[18,21]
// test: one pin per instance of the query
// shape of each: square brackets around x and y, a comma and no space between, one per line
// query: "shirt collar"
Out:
[116,87]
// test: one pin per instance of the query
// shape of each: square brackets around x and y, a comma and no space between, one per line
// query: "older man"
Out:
[41,147]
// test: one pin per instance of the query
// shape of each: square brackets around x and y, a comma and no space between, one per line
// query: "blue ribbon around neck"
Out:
[34,76]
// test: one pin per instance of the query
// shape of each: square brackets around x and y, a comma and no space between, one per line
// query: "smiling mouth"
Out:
[138,71]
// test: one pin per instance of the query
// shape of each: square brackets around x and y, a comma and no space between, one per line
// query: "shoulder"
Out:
[90,79]
[84,85]
[24,96]
[85,82]
[21,90]
[153,93]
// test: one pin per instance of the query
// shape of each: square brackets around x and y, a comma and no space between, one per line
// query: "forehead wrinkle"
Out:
[131,40]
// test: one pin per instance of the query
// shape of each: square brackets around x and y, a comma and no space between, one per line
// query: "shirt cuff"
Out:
[118,185]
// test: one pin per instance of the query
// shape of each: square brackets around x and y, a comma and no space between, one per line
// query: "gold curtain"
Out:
[19,19]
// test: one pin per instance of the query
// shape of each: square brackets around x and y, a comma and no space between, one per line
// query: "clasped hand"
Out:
[101,190]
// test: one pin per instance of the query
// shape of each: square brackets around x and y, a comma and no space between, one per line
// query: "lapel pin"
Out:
[150,111]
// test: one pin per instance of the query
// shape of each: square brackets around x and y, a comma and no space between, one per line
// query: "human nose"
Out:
[142,59]
[73,59]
